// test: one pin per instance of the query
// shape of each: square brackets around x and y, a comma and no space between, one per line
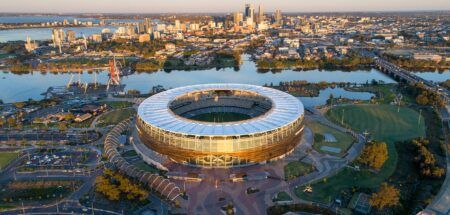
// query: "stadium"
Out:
[221,125]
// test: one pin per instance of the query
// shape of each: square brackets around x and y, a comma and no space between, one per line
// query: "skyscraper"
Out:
[71,36]
[249,11]
[141,28]
[237,18]
[30,46]
[177,24]
[260,14]
[58,37]
[278,17]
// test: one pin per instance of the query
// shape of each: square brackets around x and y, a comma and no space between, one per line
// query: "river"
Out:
[14,87]
[46,33]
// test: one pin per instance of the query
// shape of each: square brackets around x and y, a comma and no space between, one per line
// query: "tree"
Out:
[374,155]
[69,117]
[104,186]
[11,121]
[62,126]
[19,104]
[387,196]
[114,185]
[422,99]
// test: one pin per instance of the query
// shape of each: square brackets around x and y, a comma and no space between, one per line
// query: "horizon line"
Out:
[285,12]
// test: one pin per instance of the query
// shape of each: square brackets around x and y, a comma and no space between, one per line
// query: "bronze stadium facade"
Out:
[221,125]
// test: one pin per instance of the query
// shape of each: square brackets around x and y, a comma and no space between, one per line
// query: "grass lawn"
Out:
[282,196]
[84,124]
[295,169]
[145,167]
[6,157]
[384,124]
[114,117]
[344,140]
[129,153]
[118,104]
[6,55]
[6,207]
[386,93]
[383,91]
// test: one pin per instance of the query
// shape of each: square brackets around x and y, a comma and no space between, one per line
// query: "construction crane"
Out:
[70,81]
[84,42]
[85,87]
[114,73]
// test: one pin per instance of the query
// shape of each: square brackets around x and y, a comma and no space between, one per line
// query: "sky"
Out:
[221,6]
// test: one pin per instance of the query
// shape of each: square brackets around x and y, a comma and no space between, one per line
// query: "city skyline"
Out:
[203,6]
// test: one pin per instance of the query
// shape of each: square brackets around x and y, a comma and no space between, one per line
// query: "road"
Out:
[441,203]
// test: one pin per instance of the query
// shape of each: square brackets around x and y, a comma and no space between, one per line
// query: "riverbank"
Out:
[350,63]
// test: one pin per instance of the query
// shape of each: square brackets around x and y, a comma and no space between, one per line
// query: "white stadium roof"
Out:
[285,109]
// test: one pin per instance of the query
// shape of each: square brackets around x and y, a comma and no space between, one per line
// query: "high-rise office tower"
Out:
[30,46]
[147,25]
[249,11]
[278,17]
[141,28]
[177,24]
[58,37]
[71,36]
[260,14]
[237,18]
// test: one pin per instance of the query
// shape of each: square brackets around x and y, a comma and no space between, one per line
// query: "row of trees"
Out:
[146,49]
[426,160]
[149,65]
[424,96]
[351,62]
[72,64]
[413,64]
[116,186]
[446,84]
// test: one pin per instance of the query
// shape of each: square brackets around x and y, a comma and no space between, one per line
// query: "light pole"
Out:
[420,114]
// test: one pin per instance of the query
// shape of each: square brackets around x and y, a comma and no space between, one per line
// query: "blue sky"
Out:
[156,6]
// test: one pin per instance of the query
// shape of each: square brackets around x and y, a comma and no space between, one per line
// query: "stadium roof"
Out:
[285,109]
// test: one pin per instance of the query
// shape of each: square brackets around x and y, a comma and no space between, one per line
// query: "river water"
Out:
[46,33]
[14,87]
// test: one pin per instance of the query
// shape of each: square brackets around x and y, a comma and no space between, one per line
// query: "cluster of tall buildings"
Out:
[250,18]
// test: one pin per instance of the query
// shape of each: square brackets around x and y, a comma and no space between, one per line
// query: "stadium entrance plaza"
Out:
[209,189]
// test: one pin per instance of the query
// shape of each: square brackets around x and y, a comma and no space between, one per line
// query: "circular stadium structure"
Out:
[221,125]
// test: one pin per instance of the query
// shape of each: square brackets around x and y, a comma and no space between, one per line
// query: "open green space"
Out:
[118,104]
[33,190]
[384,92]
[6,55]
[383,123]
[130,153]
[282,196]
[416,189]
[6,158]
[6,207]
[344,140]
[145,167]
[295,169]
[116,116]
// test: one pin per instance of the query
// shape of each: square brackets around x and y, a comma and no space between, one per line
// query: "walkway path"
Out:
[441,203]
